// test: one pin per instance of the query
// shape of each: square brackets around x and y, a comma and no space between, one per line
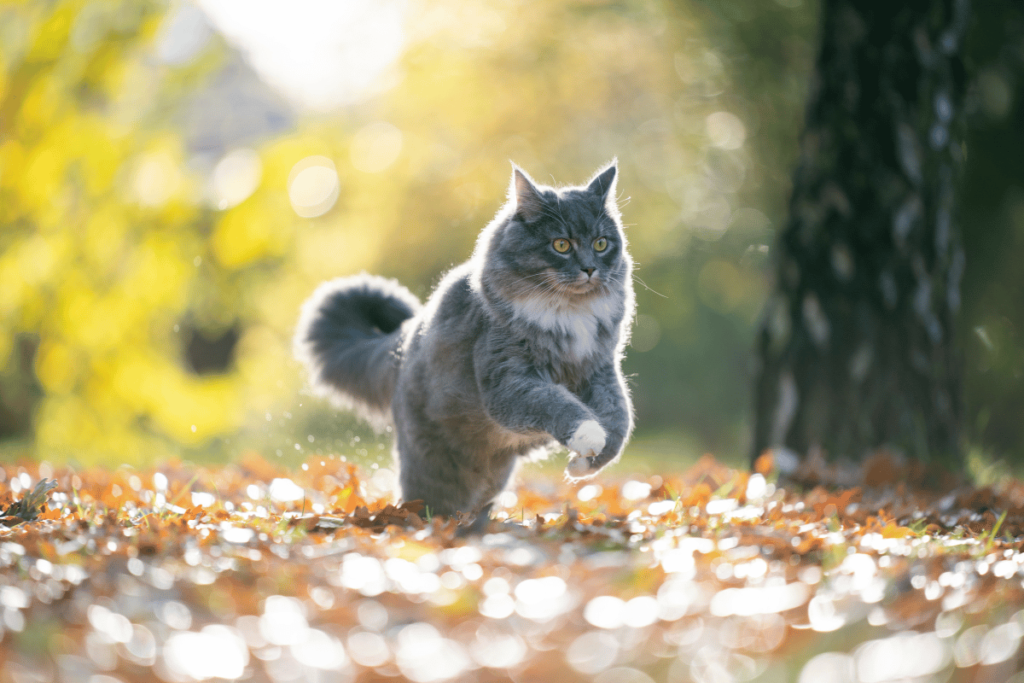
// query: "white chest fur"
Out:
[576,322]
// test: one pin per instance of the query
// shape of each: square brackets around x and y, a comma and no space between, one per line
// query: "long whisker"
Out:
[644,285]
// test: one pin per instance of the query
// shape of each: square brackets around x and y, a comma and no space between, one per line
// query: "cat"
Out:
[517,350]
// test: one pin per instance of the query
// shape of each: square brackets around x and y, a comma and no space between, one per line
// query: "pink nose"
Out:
[589,272]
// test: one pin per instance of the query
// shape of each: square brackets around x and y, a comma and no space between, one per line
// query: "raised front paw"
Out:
[588,440]
[579,468]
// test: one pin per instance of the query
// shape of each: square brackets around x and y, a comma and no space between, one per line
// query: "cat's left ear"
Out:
[603,183]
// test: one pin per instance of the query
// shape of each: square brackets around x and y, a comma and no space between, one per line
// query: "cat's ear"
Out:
[524,192]
[603,183]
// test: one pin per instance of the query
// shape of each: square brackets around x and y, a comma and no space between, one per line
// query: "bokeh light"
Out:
[313,186]
[375,147]
[236,177]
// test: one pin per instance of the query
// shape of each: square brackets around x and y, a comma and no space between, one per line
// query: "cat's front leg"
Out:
[520,400]
[608,397]
[588,440]
[586,445]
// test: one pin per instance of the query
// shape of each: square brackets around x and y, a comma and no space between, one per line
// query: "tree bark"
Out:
[857,348]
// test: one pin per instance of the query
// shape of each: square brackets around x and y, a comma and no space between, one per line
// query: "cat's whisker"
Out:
[644,285]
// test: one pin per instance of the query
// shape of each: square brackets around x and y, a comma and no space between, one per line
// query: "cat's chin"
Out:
[585,289]
[590,292]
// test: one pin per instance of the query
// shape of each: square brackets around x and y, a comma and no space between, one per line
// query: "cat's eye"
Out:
[561,245]
[600,244]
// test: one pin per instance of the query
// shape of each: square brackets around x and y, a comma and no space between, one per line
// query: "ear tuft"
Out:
[529,203]
[603,183]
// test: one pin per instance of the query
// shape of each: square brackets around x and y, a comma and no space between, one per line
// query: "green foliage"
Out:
[32,503]
[993,225]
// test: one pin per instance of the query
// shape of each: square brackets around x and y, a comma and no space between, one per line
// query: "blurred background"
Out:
[176,177]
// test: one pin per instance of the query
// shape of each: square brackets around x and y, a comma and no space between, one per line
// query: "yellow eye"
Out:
[561,245]
[600,244]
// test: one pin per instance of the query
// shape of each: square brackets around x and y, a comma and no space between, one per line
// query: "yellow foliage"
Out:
[43,175]
[38,257]
[12,159]
[52,34]
[103,236]
[894,530]
[56,367]
[190,409]
[323,251]
[250,232]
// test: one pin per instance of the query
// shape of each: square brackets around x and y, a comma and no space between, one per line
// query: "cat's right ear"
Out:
[603,182]
[524,192]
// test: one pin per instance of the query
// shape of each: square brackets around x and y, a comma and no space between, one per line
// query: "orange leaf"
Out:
[764,463]
[193,513]
[52,513]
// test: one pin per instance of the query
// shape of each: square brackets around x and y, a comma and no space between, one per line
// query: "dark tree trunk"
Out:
[857,347]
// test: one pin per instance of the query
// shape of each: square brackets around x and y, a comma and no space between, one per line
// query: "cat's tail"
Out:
[349,337]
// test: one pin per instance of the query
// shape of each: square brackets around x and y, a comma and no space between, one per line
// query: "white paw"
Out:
[578,468]
[588,440]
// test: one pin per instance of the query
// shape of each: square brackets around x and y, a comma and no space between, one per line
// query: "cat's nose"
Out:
[589,271]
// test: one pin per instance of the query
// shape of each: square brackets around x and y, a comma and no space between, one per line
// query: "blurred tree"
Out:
[857,349]
[992,204]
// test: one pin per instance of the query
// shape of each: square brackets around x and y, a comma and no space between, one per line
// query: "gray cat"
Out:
[516,349]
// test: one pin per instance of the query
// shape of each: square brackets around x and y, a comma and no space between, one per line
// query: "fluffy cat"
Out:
[516,349]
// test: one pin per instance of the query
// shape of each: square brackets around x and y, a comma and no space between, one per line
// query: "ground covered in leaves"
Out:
[253,573]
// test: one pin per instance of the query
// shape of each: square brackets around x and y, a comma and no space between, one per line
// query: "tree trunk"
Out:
[857,348]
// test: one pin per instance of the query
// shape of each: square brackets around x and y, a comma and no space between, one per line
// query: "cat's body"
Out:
[515,350]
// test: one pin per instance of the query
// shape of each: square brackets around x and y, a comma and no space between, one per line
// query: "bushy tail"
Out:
[349,337]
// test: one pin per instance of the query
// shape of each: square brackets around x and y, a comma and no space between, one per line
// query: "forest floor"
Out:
[713,575]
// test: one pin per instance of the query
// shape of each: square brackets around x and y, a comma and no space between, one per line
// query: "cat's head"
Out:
[558,244]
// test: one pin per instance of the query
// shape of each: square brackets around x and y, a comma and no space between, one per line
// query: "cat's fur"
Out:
[516,349]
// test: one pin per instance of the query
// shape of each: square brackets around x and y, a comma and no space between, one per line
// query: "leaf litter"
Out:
[249,572]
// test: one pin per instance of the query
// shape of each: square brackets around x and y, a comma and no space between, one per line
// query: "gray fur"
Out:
[349,337]
[516,349]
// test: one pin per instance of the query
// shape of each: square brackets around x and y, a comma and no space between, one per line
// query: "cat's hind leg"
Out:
[495,481]
[451,481]
[479,524]
[433,476]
